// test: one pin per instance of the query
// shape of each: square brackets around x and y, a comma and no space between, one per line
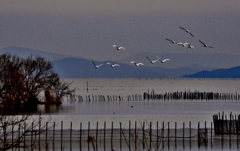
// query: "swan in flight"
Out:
[118,48]
[187,31]
[137,64]
[174,42]
[152,61]
[205,45]
[113,65]
[96,66]
[164,60]
[183,44]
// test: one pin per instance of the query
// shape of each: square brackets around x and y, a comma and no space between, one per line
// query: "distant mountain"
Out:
[25,52]
[207,62]
[83,68]
[219,73]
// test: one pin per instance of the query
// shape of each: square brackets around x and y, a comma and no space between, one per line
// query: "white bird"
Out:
[96,66]
[152,61]
[183,44]
[137,64]
[205,45]
[113,65]
[118,48]
[187,31]
[164,60]
[174,42]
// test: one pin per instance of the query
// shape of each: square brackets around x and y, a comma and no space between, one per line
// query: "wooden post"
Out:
[46,139]
[205,135]
[163,135]
[183,134]
[198,135]
[61,134]
[71,136]
[31,137]
[97,137]
[112,137]
[135,134]
[53,145]
[143,136]
[150,135]
[120,136]
[104,136]
[39,132]
[157,137]
[211,135]
[88,133]
[80,137]
[129,135]
[190,134]
[175,135]
[24,133]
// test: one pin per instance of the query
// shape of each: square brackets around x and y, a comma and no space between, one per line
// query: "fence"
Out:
[167,96]
[137,136]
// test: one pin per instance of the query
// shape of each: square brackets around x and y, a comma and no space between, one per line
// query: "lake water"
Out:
[123,111]
[181,111]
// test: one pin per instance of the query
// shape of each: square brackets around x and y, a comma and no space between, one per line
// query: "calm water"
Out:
[123,111]
[145,111]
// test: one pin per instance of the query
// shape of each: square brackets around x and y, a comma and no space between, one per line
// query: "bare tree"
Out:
[21,81]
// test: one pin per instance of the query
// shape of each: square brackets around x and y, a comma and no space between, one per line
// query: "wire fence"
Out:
[137,136]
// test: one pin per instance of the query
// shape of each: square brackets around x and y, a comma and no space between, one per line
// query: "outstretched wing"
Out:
[191,34]
[148,58]
[182,28]
[164,60]
[202,42]
[169,40]
[94,64]
[121,48]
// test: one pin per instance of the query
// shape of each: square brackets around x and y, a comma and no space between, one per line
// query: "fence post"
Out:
[61,134]
[53,135]
[190,134]
[183,134]
[97,137]
[211,135]
[80,139]
[120,136]
[31,137]
[24,133]
[129,136]
[175,135]
[150,135]
[46,142]
[135,131]
[112,137]
[163,135]
[39,130]
[143,136]
[88,133]
[168,136]
[71,135]
[198,136]
[104,135]
[157,136]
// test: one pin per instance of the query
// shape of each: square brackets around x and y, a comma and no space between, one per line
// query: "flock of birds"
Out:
[185,45]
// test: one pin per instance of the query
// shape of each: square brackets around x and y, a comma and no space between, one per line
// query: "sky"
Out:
[90,28]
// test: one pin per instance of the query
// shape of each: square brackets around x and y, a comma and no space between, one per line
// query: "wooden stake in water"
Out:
[104,135]
[97,137]
[112,136]
[71,136]
[80,137]
[61,134]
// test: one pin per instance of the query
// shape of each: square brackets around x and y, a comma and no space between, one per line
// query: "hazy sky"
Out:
[89,28]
